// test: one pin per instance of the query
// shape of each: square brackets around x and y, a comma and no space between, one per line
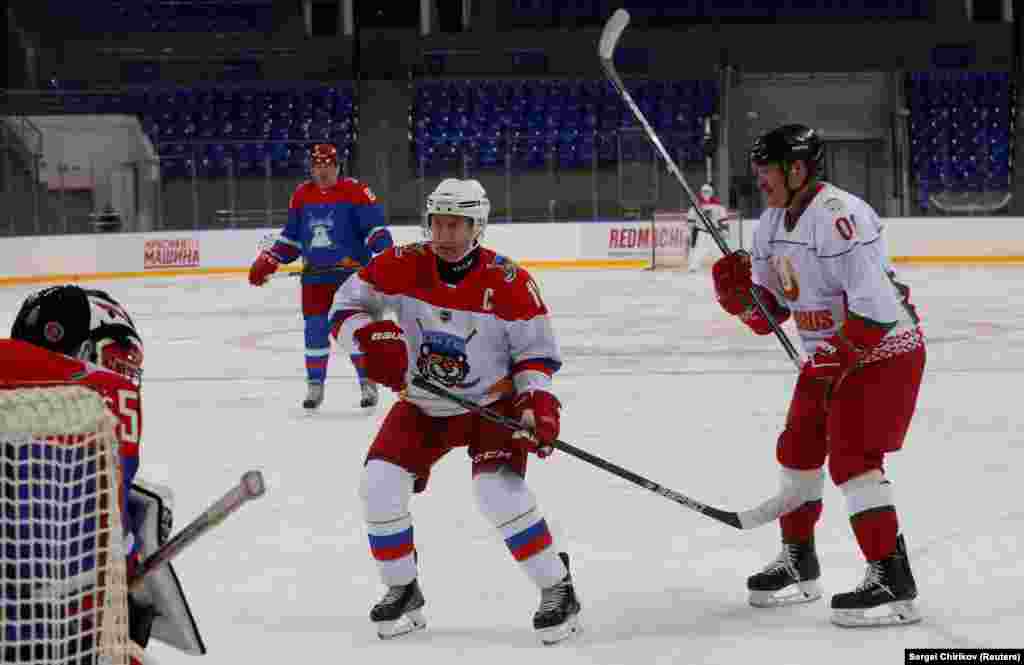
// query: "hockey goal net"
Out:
[672,244]
[63,582]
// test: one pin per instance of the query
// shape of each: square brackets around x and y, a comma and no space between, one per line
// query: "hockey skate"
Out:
[314,396]
[557,618]
[791,579]
[884,598]
[369,395]
[399,611]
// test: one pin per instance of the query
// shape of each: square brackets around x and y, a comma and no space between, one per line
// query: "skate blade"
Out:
[410,622]
[565,631]
[794,594]
[891,614]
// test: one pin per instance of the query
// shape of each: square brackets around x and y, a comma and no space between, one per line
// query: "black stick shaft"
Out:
[606,49]
[724,516]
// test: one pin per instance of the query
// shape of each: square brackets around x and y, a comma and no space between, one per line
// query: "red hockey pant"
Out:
[411,439]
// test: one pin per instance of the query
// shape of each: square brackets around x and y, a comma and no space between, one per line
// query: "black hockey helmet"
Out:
[81,323]
[787,144]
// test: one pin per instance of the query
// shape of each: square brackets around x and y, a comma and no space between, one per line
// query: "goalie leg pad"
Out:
[162,594]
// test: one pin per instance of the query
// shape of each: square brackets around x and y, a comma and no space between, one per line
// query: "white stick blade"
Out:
[611,33]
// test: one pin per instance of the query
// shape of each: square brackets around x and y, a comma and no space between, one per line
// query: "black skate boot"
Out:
[314,396]
[399,611]
[792,578]
[368,391]
[884,598]
[557,618]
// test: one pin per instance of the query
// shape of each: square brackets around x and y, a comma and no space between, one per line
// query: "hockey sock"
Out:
[506,501]
[318,348]
[385,489]
[357,362]
[805,487]
[798,526]
[872,514]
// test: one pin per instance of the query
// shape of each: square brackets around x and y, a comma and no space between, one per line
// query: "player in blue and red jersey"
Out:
[336,226]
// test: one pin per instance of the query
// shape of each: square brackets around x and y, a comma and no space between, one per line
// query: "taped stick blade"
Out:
[611,33]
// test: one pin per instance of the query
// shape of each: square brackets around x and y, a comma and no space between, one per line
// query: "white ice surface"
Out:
[657,379]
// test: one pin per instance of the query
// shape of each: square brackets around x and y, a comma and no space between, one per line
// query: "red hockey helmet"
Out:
[323,154]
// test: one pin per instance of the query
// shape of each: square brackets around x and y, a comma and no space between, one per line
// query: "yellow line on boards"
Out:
[566,264]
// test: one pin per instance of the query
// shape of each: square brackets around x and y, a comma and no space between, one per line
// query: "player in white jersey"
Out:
[474,322]
[716,214]
[818,255]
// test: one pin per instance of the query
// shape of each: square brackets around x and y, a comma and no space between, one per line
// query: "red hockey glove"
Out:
[262,268]
[539,412]
[839,355]
[386,357]
[733,281]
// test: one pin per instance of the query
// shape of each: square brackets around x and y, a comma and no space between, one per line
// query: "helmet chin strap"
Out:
[791,193]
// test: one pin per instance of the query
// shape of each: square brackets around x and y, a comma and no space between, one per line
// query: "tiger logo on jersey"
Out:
[443,358]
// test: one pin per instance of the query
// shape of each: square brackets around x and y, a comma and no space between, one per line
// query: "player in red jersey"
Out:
[67,335]
[474,322]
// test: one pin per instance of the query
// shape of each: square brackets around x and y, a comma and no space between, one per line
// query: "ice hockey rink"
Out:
[657,379]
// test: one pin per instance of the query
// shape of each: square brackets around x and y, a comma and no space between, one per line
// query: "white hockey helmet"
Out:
[707,191]
[465,198]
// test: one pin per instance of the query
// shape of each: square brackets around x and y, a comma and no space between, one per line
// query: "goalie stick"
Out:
[723,516]
[606,50]
[250,487]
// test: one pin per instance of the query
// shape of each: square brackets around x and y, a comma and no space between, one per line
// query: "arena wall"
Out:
[951,240]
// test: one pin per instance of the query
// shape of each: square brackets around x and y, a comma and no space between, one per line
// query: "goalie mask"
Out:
[82,323]
[465,198]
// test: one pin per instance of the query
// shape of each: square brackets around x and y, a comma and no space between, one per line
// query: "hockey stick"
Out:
[318,271]
[250,487]
[723,516]
[268,241]
[606,49]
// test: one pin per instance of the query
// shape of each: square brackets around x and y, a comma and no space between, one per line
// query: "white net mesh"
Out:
[63,584]
[670,240]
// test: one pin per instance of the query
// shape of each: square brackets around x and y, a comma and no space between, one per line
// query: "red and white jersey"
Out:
[712,207]
[834,260]
[480,339]
[26,364]
[23,364]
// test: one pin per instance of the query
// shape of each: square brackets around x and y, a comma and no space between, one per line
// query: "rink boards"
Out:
[598,244]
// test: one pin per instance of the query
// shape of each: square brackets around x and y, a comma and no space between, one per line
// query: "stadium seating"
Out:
[568,13]
[245,129]
[543,123]
[961,131]
[160,16]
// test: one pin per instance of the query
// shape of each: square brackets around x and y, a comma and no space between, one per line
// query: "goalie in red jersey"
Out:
[67,335]
[473,321]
